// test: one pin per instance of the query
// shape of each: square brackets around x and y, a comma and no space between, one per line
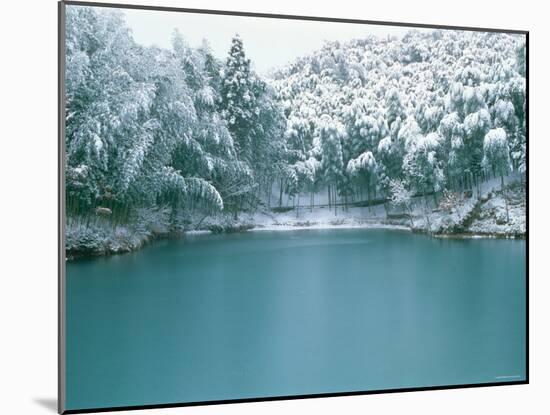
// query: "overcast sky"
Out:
[268,42]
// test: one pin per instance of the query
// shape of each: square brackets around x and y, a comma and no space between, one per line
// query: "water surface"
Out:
[260,314]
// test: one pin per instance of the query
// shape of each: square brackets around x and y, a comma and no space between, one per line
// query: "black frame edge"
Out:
[527,207]
[61,349]
[292,397]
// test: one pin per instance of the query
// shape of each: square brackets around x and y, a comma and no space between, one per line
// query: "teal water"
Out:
[264,314]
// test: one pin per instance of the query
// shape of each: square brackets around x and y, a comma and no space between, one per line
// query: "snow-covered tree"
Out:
[395,110]
[422,167]
[109,97]
[239,98]
[364,169]
[451,131]
[400,196]
[362,128]
[331,134]
[496,156]
[302,177]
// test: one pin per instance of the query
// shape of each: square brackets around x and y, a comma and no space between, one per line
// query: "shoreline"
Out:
[321,226]
[488,215]
[385,226]
[285,227]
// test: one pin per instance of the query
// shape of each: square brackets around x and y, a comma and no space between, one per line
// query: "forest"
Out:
[160,141]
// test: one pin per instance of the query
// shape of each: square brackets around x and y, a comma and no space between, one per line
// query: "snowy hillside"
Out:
[162,141]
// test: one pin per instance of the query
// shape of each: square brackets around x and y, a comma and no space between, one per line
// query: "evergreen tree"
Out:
[239,99]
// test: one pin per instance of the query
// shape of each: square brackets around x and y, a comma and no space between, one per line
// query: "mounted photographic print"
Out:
[258,207]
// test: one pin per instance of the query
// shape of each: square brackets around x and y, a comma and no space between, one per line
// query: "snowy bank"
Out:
[476,215]
[491,213]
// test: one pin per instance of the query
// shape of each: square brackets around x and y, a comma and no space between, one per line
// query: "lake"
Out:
[260,314]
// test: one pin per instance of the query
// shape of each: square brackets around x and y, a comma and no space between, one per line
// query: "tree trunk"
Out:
[334,198]
[281,194]
[269,195]
[426,198]
[409,207]
[503,189]
[368,197]
[427,210]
